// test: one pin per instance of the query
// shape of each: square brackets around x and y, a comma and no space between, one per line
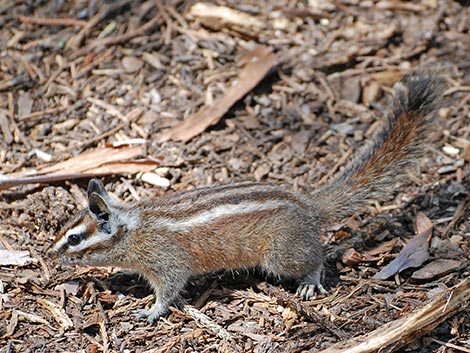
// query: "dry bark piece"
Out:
[353,258]
[15,258]
[33,318]
[466,150]
[5,126]
[57,313]
[258,63]
[223,17]
[70,287]
[383,248]
[401,332]
[437,269]
[24,104]
[458,214]
[415,253]
[205,321]
[10,329]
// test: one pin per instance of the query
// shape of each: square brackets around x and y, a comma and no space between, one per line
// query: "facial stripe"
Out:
[81,228]
[94,239]
[216,213]
[60,244]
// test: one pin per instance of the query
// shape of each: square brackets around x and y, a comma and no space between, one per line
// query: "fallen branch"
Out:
[399,333]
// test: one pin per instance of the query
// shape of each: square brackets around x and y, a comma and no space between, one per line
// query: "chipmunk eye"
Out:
[74,239]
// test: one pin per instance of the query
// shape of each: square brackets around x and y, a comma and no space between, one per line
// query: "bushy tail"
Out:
[399,143]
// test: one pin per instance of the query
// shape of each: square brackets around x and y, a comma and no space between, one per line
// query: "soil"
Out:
[78,76]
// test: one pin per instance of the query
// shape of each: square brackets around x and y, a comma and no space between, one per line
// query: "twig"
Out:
[126,36]
[130,117]
[205,321]
[459,212]
[337,165]
[75,41]
[53,21]
[453,346]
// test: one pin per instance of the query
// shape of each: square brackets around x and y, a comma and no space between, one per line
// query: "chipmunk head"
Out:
[90,237]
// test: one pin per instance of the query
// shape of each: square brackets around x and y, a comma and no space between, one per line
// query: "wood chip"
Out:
[436,269]
[131,64]
[57,313]
[205,321]
[15,258]
[220,17]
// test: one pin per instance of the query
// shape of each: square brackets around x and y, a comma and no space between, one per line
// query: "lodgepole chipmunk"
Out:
[247,224]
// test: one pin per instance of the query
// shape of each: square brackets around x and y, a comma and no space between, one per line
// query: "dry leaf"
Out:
[92,163]
[414,254]
[260,61]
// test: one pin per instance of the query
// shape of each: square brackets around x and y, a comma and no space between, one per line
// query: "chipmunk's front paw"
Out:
[151,314]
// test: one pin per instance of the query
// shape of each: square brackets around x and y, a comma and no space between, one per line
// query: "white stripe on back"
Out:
[212,215]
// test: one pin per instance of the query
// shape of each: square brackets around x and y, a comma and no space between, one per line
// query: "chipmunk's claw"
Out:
[307,291]
[152,315]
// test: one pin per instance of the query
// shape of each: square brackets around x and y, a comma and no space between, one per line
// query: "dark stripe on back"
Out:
[262,194]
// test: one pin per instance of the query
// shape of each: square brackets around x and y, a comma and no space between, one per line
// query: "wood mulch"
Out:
[279,91]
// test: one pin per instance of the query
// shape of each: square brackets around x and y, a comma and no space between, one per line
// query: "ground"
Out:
[76,76]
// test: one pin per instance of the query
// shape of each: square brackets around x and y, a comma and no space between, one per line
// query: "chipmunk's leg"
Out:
[311,284]
[166,292]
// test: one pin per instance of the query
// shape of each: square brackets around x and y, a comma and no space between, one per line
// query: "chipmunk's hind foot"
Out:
[311,285]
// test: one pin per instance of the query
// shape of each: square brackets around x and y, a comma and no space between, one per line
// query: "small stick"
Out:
[53,21]
[58,314]
[126,36]
[459,213]
[451,345]
[204,321]
[344,158]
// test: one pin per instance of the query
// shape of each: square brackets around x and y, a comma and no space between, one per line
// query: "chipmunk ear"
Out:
[100,209]
[97,187]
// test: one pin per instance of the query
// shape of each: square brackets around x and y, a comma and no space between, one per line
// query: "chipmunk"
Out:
[247,224]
